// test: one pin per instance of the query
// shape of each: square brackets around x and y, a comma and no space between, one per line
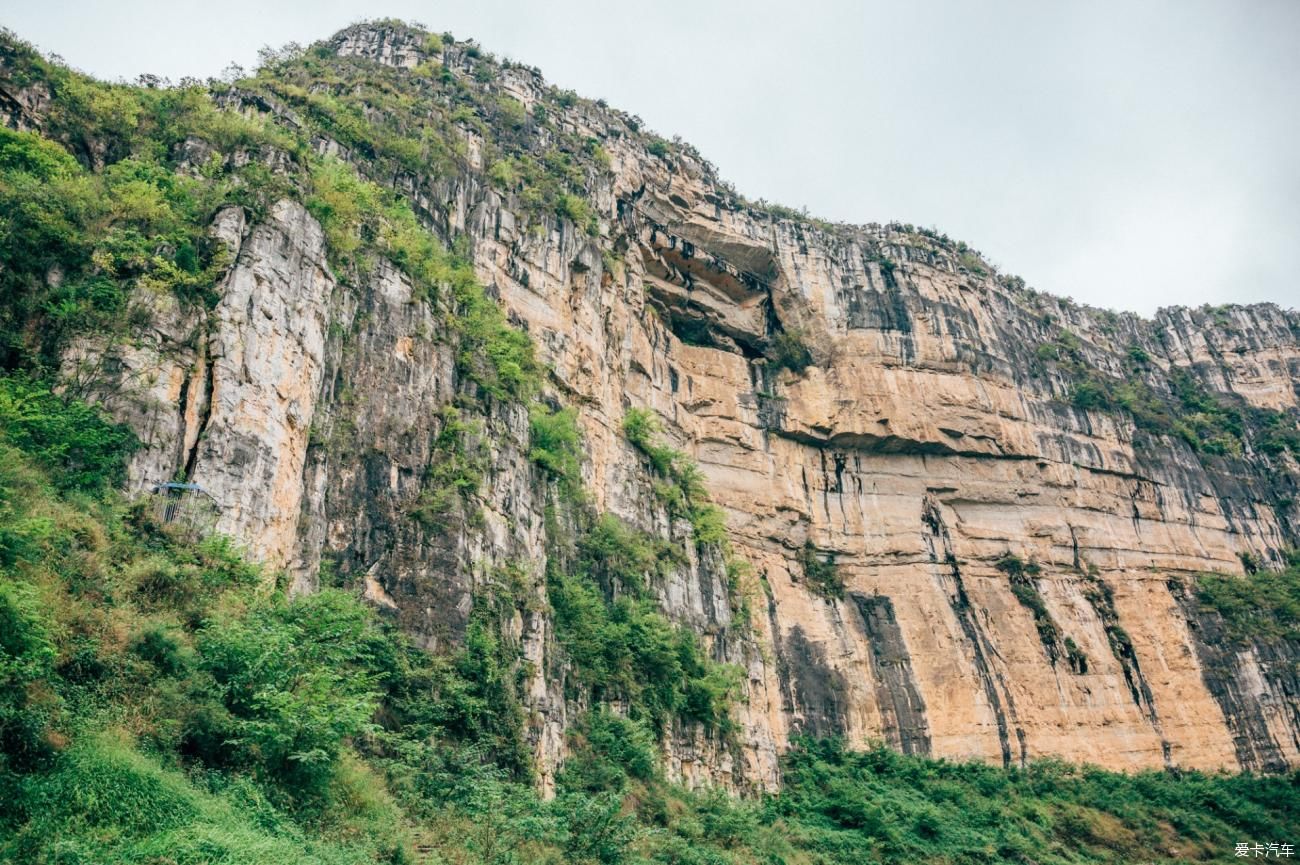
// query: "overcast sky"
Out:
[1128,154]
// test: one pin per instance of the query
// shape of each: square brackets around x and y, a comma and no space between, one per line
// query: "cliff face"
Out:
[952,550]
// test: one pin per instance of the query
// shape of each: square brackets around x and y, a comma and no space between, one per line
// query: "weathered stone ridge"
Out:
[926,440]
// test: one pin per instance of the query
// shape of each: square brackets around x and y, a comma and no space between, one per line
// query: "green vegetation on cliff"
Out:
[681,489]
[1180,407]
[116,199]
[621,646]
[1262,605]
[164,701]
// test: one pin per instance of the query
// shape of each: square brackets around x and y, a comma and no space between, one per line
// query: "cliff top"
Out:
[513,104]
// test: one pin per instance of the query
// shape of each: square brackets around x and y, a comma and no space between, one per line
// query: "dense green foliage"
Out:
[1264,605]
[456,470]
[881,806]
[556,444]
[399,123]
[290,685]
[619,645]
[63,435]
[680,489]
[627,650]
[77,244]
[364,222]
[113,202]
[600,582]
[73,243]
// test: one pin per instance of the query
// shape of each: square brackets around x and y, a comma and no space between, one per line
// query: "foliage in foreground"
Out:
[164,702]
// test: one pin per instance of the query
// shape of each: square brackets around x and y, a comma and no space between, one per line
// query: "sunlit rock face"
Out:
[1011,570]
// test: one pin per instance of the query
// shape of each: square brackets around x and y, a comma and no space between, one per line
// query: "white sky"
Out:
[1131,155]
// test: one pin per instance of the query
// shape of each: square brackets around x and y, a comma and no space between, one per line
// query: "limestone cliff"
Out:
[956,549]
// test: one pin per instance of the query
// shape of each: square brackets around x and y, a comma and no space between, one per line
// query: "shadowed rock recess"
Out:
[971,512]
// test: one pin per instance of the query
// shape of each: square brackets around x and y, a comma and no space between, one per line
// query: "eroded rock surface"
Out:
[926,441]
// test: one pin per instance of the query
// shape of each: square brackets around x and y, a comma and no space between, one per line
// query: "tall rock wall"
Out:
[949,555]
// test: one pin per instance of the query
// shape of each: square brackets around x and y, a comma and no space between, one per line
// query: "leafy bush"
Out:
[75,243]
[820,574]
[597,830]
[641,427]
[708,524]
[864,805]
[575,209]
[456,469]
[556,443]
[106,802]
[608,752]
[362,220]
[684,494]
[620,558]
[480,695]
[27,657]
[504,174]
[291,685]
[103,783]
[63,434]
[1209,423]
[497,357]
[788,351]
[511,111]
[1274,432]
[1015,567]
